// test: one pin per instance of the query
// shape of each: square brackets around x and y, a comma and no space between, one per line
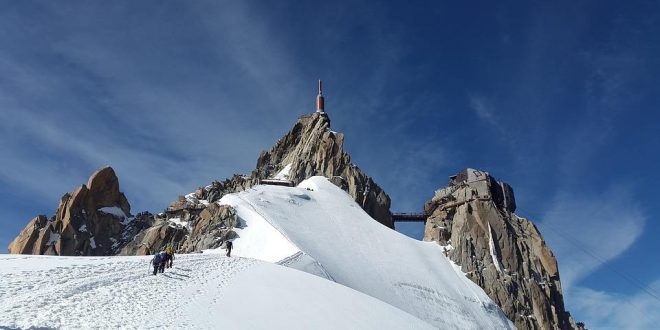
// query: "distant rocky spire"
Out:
[473,219]
[93,220]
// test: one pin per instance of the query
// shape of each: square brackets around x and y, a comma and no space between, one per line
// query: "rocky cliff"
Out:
[310,148]
[94,219]
[473,218]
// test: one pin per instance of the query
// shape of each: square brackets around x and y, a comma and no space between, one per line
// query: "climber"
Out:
[169,253]
[229,245]
[164,260]
[157,261]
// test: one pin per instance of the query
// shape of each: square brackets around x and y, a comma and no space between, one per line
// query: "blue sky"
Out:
[559,99]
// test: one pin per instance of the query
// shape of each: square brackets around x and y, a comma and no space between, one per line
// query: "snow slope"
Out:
[331,236]
[368,277]
[202,291]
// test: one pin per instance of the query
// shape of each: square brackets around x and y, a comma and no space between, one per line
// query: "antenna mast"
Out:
[320,101]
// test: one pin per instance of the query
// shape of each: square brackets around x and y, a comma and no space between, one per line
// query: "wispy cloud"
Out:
[586,230]
[487,113]
[606,310]
[112,105]
[115,98]
[508,135]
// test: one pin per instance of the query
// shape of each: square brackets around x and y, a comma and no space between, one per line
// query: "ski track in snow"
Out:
[111,293]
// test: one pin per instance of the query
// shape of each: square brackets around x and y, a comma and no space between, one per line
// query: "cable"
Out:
[576,242]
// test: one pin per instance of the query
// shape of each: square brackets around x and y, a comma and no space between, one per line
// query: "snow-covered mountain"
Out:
[318,228]
[343,269]
[310,148]
[337,226]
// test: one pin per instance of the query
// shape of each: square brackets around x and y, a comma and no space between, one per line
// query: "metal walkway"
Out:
[409,217]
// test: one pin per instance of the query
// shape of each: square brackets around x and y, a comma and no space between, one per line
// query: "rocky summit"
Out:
[473,219]
[310,148]
[93,220]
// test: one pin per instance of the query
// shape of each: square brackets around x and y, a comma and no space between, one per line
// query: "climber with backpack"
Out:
[156,261]
[169,253]
[164,258]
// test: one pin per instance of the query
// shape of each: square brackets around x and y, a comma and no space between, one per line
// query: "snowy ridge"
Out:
[118,293]
[367,277]
[320,224]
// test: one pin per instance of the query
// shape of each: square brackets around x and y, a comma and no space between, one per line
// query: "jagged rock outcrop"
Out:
[193,222]
[86,220]
[310,148]
[501,252]
[154,238]
[94,219]
[212,229]
[31,238]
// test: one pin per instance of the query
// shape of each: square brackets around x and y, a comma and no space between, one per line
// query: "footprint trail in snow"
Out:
[109,292]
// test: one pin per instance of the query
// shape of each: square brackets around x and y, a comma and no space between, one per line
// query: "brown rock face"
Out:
[26,242]
[92,220]
[154,239]
[212,229]
[89,221]
[501,252]
[310,148]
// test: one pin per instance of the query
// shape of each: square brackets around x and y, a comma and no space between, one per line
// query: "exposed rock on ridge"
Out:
[94,219]
[310,148]
[194,222]
[501,252]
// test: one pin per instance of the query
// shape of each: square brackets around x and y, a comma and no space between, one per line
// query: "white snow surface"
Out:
[284,173]
[201,291]
[192,198]
[52,239]
[491,246]
[367,277]
[257,238]
[179,222]
[115,211]
[336,239]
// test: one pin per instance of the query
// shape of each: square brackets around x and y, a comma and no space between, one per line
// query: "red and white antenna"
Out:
[320,102]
